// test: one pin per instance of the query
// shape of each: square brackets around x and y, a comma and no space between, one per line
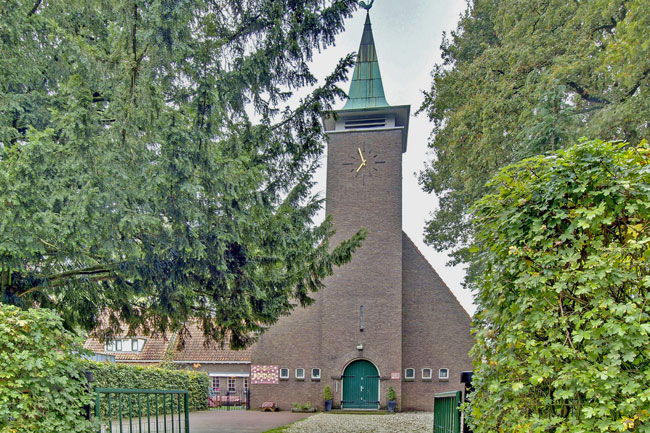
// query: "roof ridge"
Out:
[417,250]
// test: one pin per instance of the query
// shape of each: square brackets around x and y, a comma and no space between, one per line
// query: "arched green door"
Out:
[360,386]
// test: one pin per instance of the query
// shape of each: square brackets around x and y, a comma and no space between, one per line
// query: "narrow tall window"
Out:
[361,318]
[231,384]
[215,384]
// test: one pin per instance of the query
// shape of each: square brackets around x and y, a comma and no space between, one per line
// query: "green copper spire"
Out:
[367,89]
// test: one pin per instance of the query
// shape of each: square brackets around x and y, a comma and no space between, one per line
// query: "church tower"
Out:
[363,300]
[385,319]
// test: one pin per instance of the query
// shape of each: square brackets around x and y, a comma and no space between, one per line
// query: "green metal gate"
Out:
[361,386]
[446,412]
[142,410]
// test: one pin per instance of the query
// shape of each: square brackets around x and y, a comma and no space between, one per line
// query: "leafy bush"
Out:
[391,394]
[42,383]
[108,375]
[327,393]
[303,406]
[562,328]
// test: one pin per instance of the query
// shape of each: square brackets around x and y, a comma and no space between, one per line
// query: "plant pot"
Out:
[310,410]
[328,405]
[391,406]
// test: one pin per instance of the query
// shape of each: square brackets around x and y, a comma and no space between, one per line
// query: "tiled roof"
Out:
[154,348]
[196,350]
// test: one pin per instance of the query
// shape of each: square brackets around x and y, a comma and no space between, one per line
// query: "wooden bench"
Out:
[269,406]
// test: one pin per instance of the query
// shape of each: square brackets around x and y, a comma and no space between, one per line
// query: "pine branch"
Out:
[35,8]
[584,94]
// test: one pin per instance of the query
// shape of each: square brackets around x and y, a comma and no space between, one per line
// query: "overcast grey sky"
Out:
[407,37]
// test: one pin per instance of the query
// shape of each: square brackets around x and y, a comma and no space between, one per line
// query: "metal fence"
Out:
[142,411]
[230,400]
[446,412]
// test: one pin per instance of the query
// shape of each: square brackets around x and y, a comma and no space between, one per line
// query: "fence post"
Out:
[89,380]
[187,413]
[248,399]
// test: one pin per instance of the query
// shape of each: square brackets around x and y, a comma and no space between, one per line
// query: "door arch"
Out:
[360,386]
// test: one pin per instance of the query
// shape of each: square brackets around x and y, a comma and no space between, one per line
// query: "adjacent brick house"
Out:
[229,370]
[385,319]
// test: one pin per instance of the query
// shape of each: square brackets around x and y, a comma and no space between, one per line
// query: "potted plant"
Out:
[327,395]
[391,399]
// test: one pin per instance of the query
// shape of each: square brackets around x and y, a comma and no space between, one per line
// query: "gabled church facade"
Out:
[386,319]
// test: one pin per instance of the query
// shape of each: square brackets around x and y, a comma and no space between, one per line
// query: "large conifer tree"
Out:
[520,78]
[148,166]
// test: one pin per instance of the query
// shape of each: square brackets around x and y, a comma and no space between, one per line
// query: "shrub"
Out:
[42,383]
[108,375]
[391,394]
[327,393]
[563,329]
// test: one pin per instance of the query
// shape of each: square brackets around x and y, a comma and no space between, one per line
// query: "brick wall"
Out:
[436,331]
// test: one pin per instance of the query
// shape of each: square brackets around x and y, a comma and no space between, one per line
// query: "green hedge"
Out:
[108,375]
[42,384]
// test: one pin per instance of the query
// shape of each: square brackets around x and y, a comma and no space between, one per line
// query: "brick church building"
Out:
[385,319]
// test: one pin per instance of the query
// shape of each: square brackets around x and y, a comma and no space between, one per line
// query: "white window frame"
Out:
[245,383]
[429,376]
[315,376]
[284,377]
[440,374]
[300,376]
[411,376]
[234,384]
[125,345]
[214,380]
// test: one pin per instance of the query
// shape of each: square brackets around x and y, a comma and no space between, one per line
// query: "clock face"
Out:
[364,162]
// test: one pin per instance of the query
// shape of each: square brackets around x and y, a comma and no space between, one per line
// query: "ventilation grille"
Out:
[367,122]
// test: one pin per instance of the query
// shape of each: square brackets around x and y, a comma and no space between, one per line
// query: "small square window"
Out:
[300,374]
[426,374]
[443,374]
[284,373]
[315,374]
[409,374]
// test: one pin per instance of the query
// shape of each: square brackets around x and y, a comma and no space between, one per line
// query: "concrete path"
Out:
[240,421]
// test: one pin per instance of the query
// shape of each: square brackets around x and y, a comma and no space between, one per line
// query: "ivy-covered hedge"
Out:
[42,384]
[108,375]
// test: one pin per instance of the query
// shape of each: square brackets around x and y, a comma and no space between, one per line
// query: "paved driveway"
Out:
[240,421]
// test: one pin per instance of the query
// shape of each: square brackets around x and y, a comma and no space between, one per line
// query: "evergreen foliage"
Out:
[563,322]
[149,169]
[42,383]
[522,78]
[327,393]
[391,394]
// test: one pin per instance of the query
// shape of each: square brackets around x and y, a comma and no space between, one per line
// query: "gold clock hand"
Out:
[363,160]
[363,164]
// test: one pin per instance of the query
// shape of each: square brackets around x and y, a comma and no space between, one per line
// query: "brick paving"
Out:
[240,421]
